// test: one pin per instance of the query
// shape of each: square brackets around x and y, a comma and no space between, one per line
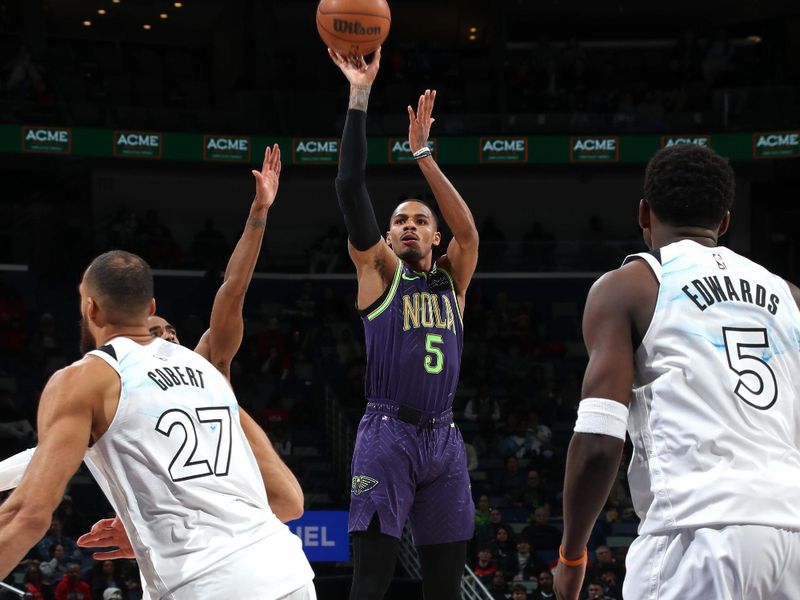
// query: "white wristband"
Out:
[422,153]
[603,416]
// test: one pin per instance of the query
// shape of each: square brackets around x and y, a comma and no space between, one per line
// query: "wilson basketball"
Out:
[353,27]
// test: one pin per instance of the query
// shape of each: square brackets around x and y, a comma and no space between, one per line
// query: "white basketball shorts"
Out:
[734,562]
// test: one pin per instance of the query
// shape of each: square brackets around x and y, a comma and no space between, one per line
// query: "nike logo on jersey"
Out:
[407,278]
[362,484]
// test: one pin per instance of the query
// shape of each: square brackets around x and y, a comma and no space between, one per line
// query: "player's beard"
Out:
[409,254]
[88,343]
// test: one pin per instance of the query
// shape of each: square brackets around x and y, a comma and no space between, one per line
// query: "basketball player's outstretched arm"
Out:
[374,261]
[222,340]
[67,408]
[593,459]
[462,251]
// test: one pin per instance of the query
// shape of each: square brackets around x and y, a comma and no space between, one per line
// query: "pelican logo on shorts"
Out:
[503,149]
[776,144]
[321,151]
[362,484]
[594,149]
[47,140]
[400,150]
[674,140]
[225,148]
[137,144]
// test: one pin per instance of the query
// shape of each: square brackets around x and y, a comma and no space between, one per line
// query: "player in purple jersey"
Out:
[409,460]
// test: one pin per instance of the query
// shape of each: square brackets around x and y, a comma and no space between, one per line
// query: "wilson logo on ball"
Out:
[355,28]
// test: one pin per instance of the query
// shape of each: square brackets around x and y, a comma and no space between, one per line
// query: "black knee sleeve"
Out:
[374,558]
[442,569]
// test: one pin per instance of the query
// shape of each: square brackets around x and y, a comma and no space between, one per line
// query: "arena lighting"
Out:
[101,11]
[87,23]
[115,1]
[147,27]
[473,30]
[164,15]
[754,39]
[473,37]
[178,5]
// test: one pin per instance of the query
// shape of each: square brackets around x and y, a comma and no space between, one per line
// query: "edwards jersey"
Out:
[177,468]
[414,339]
[715,417]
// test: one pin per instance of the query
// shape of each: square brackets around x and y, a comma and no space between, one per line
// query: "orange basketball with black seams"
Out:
[353,27]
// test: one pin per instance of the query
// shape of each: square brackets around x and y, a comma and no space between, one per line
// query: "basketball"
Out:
[353,27]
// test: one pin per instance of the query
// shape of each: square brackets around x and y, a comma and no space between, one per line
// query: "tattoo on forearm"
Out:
[359,96]
[257,223]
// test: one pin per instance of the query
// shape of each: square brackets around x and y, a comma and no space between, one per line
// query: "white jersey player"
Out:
[710,343]
[166,448]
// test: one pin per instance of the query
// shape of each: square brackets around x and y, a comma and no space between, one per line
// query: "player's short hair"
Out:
[122,284]
[689,185]
[425,204]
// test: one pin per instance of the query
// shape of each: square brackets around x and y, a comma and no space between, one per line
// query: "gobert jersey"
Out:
[178,470]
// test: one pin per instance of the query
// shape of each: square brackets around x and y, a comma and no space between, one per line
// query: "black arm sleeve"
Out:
[351,188]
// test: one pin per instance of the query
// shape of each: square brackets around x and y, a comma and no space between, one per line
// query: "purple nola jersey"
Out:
[414,336]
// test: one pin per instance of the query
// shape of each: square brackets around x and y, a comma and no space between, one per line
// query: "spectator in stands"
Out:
[520,443]
[605,561]
[595,591]
[73,522]
[611,584]
[104,576]
[536,493]
[281,439]
[527,564]
[33,583]
[56,536]
[504,549]
[133,586]
[511,481]
[16,432]
[496,521]
[485,568]
[519,592]
[540,534]
[545,589]
[484,530]
[540,432]
[54,569]
[499,589]
[71,587]
[482,408]
[112,594]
